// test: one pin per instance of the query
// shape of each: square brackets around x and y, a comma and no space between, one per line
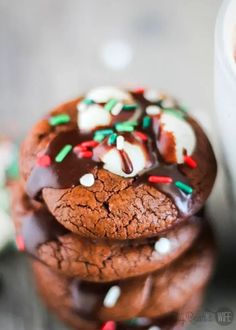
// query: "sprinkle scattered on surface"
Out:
[59,119]
[117,109]
[120,142]
[146,122]
[86,154]
[112,139]
[112,296]
[109,325]
[141,135]
[190,162]
[160,179]
[87,180]
[184,187]
[110,104]
[163,246]
[128,107]
[20,243]
[44,161]
[63,153]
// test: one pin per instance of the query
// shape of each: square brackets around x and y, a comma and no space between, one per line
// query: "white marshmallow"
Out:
[183,132]
[113,163]
[163,246]
[87,180]
[94,116]
[105,93]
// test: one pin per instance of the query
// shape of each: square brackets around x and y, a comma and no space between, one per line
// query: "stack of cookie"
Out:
[110,206]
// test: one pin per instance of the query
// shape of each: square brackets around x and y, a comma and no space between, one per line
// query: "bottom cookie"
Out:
[173,321]
[152,296]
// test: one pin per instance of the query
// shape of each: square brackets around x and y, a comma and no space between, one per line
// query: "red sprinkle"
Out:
[139,90]
[160,179]
[109,325]
[79,148]
[89,144]
[190,162]
[20,243]
[44,161]
[85,154]
[141,135]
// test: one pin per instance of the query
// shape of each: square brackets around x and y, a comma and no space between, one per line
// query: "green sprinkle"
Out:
[104,132]
[132,123]
[110,104]
[63,153]
[174,112]
[99,137]
[128,107]
[146,122]
[122,127]
[112,139]
[88,101]
[59,119]
[184,187]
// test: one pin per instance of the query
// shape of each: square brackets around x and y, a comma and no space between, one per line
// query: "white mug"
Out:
[225,86]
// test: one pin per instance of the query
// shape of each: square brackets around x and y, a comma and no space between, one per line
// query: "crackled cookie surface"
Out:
[97,260]
[152,295]
[119,164]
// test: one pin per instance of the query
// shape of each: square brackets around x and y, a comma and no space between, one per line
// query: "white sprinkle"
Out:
[153,110]
[154,328]
[87,180]
[163,246]
[112,296]
[152,95]
[120,142]
[117,109]
[81,107]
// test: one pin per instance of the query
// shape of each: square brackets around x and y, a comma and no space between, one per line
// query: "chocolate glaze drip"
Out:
[67,173]
[127,166]
[88,297]
[38,228]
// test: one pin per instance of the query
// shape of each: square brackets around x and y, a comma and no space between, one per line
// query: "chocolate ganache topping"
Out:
[143,136]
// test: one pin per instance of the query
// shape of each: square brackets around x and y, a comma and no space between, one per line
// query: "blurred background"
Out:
[54,50]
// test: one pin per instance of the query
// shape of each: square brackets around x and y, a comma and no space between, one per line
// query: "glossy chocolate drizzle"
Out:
[40,227]
[67,173]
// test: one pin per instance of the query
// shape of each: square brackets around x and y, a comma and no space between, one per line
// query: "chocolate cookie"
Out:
[117,164]
[174,321]
[152,295]
[95,259]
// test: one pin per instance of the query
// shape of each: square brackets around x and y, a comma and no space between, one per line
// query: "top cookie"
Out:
[119,164]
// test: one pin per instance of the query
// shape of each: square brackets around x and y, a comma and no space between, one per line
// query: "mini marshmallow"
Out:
[185,138]
[93,117]
[105,93]
[87,180]
[113,163]
[163,246]
[112,296]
